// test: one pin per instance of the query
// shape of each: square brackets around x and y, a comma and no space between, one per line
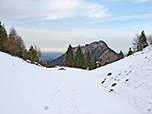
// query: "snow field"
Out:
[29,89]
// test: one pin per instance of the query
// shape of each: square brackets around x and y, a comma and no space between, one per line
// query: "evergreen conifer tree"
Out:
[121,55]
[88,61]
[69,57]
[130,52]
[140,42]
[143,41]
[32,54]
[79,60]
[95,62]
[3,37]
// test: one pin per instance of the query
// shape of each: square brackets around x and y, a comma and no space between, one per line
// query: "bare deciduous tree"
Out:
[14,44]
[150,40]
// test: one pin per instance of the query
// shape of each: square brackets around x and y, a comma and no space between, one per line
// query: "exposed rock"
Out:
[61,69]
[99,49]
[127,80]
[109,74]
[111,90]
[114,84]
[108,57]
[103,81]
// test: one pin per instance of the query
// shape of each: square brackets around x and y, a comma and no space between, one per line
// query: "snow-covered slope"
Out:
[29,89]
[130,79]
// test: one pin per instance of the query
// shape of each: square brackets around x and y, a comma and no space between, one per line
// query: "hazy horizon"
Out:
[54,24]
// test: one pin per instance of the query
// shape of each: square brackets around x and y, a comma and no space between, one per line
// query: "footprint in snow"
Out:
[46,108]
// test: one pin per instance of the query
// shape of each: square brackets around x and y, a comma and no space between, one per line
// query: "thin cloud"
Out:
[51,9]
[112,0]
[141,1]
[126,18]
[135,1]
[59,40]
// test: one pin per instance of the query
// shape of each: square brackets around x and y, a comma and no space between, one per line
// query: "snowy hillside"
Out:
[131,80]
[29,89]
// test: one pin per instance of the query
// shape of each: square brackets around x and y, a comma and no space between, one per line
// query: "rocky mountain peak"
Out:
[97,48]
[95,44]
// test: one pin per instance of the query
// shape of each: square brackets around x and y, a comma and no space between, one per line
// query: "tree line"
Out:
[13,44]
[79,61]
[140,42]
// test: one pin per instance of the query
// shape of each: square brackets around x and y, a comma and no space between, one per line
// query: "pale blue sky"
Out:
[54,24]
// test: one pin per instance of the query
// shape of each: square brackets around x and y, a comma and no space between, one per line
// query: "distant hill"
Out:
[49,56]
[99,49]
